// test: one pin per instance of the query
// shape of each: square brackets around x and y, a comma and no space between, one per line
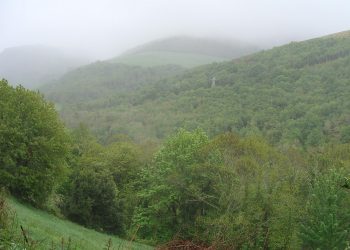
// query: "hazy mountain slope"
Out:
[297,93]
[139,66]
[32,66]
[184,51]
[203,46]
[156,58]
[103,79]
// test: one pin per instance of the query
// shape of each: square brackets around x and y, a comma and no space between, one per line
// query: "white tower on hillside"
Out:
[213,80]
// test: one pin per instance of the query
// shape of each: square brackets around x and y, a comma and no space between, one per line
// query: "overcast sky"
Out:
[104,28]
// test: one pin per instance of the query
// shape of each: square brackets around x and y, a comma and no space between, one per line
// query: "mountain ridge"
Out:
[185,51]
[208,46]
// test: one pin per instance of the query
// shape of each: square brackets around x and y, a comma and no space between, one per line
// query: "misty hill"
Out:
[184,51]
[297,93]
[32,66]
[104,79]
[138,67]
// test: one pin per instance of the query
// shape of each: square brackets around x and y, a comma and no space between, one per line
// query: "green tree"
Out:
[327,222]
[124,160]
[175,190]
[345,134]
[33,144]
[91,199]
[257,196]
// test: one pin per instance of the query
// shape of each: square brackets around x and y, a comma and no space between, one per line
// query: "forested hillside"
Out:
[228,130]
[269,170]
[294,94]
[101,80]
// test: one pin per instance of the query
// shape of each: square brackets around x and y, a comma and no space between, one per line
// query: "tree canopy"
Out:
[33,144]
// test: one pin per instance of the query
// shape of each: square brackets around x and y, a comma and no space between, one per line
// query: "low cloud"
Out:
[105,28]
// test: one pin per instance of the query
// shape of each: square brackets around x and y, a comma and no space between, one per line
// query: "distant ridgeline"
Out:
[184,51]
[294,94]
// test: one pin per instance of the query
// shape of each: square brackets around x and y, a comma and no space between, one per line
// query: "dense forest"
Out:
[248,154]
[98,80]
[293,94]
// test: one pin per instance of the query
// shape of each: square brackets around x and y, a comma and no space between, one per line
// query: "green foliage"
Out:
[99,191]
[47,231]
[33,144]
[174,190]
[293,94]
[345,135]
[7,223]
[258,196]
[91,199]
[103,79]
[228,191]
[326,224]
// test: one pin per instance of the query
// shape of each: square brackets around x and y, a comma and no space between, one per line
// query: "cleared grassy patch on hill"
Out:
[49,231]
[157,58]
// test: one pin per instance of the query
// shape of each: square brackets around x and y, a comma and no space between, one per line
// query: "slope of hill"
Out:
[32,66]
[103,79]
[297,93]
[51,232]
[203,46]
[156,58]
[184,51]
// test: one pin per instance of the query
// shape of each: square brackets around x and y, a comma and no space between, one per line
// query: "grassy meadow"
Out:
[156,58]
[49,232]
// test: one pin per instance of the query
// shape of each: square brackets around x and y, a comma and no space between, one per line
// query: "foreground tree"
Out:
[257,192]
[33,144]
[228,192]
[99,191]
[327,222]
[91,199]
[175,189]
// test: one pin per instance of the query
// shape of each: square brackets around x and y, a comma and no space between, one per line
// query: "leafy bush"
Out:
[327,221]
[91,199]
[174,190]
[33,144]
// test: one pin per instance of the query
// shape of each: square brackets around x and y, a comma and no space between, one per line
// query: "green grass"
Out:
[157,58]
[46,228]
